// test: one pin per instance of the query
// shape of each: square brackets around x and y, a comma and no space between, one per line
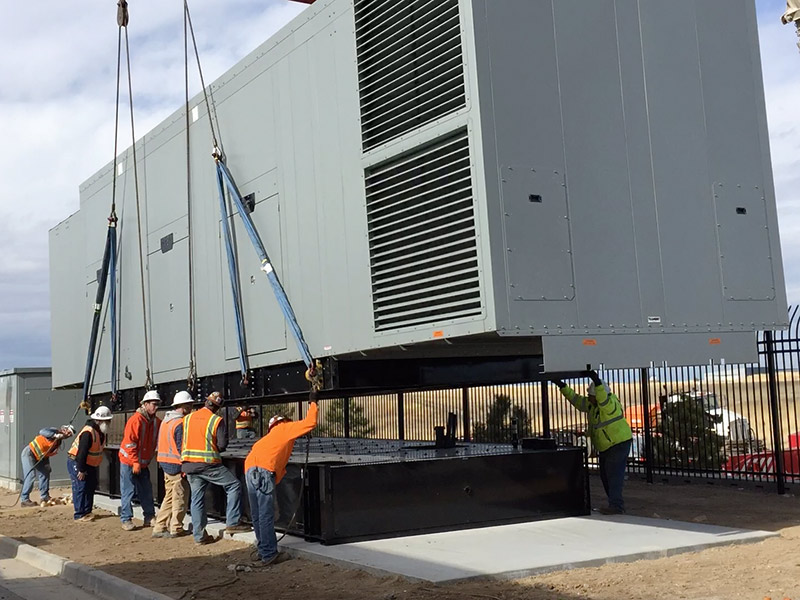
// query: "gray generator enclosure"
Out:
[585,182]
[28,404]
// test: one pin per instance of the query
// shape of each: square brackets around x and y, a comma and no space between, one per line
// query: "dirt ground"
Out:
[178,568]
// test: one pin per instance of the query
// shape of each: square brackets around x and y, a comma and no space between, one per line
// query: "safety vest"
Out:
[607,424]
[139,440]
[41,447]
[95,456]
[168,451]
[244,420]
[200,437]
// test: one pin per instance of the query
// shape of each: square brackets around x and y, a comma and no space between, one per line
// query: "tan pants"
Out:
[173,507]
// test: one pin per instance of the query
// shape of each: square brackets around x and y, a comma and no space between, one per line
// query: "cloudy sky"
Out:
[57,78]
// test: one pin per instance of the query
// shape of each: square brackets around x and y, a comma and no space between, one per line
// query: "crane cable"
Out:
[225,220]
[122,19]
[191,379]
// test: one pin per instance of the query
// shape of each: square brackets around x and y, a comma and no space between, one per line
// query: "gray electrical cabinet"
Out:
[587,182]
[28,404]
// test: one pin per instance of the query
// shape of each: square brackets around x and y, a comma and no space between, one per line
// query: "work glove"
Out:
[595,378]
[137,468]
[559,382]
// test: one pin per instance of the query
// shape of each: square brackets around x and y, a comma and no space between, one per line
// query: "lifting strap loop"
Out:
[233,272]
[224,175]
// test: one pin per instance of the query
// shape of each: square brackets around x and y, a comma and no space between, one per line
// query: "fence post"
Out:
[347,417]
[466,415]
[644,380]
[774,407]
[401,417]
[545,409]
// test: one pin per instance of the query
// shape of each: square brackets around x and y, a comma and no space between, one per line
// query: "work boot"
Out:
[128,526]
[28,503]
[161,534]
[206,539]
[610,510]
[148,522]
[87,518]
[177,534]
[241,527]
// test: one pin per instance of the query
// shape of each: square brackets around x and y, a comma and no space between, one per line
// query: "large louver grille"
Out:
[409,63]
[423,248]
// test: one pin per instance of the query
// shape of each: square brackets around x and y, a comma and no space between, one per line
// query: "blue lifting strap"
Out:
[224,177]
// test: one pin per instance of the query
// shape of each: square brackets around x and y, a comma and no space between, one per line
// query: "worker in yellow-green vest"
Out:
[610,434]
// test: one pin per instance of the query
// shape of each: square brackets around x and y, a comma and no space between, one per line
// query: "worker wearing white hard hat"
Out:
[83,462]
[36,461]
[136,452]
[169,520]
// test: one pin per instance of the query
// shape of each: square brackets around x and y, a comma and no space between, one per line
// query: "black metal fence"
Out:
[736,422]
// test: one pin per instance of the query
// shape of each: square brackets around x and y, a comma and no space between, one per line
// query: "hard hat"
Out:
[215,398]
[151,396]
[275,420]
[103,413]
[182,397]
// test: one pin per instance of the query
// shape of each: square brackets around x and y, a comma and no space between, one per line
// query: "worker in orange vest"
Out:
[36,460]
[205,436]
[245,422]
[137,449]
[264,468]
[169,520]
[85,456]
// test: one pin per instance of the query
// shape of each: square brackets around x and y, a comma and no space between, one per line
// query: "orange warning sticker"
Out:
[714,341]
[589,342]
[438,334]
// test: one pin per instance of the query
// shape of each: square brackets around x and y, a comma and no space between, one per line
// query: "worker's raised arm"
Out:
[300,428]
[578,401]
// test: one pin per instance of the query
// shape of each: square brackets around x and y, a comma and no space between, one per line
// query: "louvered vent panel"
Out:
[423,247]
[409,63]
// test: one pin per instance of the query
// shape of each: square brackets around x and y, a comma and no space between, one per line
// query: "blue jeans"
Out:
[245,434]
[42,470]
[218,475]
[140,484]
[261,492]
[612,472]
[82,491]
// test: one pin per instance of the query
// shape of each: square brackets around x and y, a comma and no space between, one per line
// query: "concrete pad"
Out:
[521,550]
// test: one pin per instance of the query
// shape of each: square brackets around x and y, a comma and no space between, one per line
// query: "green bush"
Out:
[685,436]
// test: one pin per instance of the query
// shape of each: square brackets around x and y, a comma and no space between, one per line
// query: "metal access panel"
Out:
[664,234]
[462,174]
[28,404]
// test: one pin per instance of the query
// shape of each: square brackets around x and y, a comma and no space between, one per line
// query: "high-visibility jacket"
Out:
[244,420]
[95,456]
[272,451]
[200,437]
[168,451]
[607,424]
[139,440]
[41,447]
